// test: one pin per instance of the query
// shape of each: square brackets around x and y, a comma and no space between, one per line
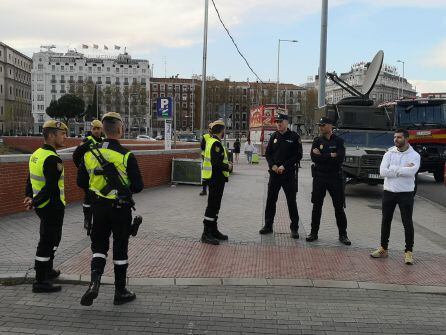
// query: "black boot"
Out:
[345,240]
[217,234]
[52,273]
[267,229]
[207,236]
[93,290]
[312,237]
[123,296]
[42,284]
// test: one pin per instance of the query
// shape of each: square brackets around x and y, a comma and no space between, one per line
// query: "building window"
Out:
[53,67]
[39,97]
[108,69]
[81,68]
[90,69]
[71,68]
[53,97]
[117,70]
[62,68]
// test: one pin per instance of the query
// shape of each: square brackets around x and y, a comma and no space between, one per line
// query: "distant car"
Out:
[159,138]
[187,138]
[144,138]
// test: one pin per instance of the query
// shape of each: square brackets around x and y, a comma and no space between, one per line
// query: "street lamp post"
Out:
[402,86]
[278,66]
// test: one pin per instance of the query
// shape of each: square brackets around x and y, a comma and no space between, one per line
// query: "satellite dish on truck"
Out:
[371,76]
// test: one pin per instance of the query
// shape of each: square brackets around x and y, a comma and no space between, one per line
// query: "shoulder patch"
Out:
[59,167]
[217,148]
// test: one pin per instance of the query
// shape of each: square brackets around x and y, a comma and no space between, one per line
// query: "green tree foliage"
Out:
[67,107]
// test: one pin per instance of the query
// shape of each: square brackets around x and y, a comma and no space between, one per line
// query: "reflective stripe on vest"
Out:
[206,170]
[98,182]
[38,181]
[206,138]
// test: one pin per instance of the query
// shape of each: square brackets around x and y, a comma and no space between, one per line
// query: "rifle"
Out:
[113,178]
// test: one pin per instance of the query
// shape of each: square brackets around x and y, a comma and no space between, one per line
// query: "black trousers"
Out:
[109,219]
[289,184]
[335,187]
[51,220]
[216,189]
[404,200]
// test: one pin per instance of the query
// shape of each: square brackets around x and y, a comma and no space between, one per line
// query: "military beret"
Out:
[112,115]
[55,125]
[96,123]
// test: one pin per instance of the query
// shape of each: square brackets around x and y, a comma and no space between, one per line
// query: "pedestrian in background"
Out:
[399,166]
[248,150]
[45,192]
[283,152]
[237,149]
[327,154]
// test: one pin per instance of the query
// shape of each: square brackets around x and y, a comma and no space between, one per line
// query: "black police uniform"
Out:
[282,150]
[216,185]
[108,218]
[78,155]
[327,176]
[51,220]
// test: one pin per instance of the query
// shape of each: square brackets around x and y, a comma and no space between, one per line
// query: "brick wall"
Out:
[30,144]
[155,166]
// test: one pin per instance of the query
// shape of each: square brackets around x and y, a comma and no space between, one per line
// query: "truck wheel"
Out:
[439,176]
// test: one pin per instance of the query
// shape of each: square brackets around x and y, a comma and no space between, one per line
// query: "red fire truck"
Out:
[426,121]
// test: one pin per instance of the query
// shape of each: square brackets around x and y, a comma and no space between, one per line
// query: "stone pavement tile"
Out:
[426,289]
[290,282]
[382,287]
[198,281]
[335,283]
[151,281]
[245,281]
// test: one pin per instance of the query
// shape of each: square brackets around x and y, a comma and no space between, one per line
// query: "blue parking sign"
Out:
[164,107]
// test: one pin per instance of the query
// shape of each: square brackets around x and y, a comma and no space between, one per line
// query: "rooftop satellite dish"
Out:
[371,76]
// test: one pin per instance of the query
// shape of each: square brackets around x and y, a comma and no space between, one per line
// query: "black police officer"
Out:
[327,154]
[78,154]
[215,173]
[283,152]
[45,192]
[110,212]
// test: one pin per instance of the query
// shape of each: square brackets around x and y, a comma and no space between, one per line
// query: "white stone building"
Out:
[122,84]
[389,85]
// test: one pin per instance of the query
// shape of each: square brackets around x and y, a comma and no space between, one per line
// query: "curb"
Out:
[21,278]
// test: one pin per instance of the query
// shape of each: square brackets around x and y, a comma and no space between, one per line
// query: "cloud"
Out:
[429,86]
[437,56]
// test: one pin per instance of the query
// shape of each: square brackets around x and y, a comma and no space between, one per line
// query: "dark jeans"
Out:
[334,186]
[404,200]
[289,185]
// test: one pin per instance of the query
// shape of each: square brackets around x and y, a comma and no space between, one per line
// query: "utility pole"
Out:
[323,54]
[203,75]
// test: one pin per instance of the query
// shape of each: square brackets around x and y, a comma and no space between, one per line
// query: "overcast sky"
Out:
[169,33]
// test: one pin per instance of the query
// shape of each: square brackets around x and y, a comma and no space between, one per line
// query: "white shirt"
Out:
[399,169]
[249,147]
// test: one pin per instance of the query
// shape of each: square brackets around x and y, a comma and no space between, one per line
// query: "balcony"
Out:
[53,81]
[63,91]
[80,81]
[126,82]
[99,83]
[62,81]
[108,82]
[53,91]
[71,81]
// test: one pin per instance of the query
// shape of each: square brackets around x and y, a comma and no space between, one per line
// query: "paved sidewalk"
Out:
[168,246]
[223,310]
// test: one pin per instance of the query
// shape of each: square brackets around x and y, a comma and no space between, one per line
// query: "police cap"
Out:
[112,115]
[218,123]
[280,117]
[55,125]
[96,123]
[210,125]
[325,120]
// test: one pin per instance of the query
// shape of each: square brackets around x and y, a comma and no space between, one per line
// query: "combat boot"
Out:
[93,290]
[123,296]
[217,234]
[267,229]
[207,236]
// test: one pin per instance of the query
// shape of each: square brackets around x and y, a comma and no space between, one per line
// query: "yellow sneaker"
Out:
[408,257]
[379,253]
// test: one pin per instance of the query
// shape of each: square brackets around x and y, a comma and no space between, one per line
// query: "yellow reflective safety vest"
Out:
[206,170]
[92,139]
[206,138]
[97,181]
[38,181]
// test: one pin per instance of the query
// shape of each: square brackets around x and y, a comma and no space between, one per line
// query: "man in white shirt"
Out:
[398,167]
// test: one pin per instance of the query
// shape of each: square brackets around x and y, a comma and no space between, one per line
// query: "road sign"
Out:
[164,107]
